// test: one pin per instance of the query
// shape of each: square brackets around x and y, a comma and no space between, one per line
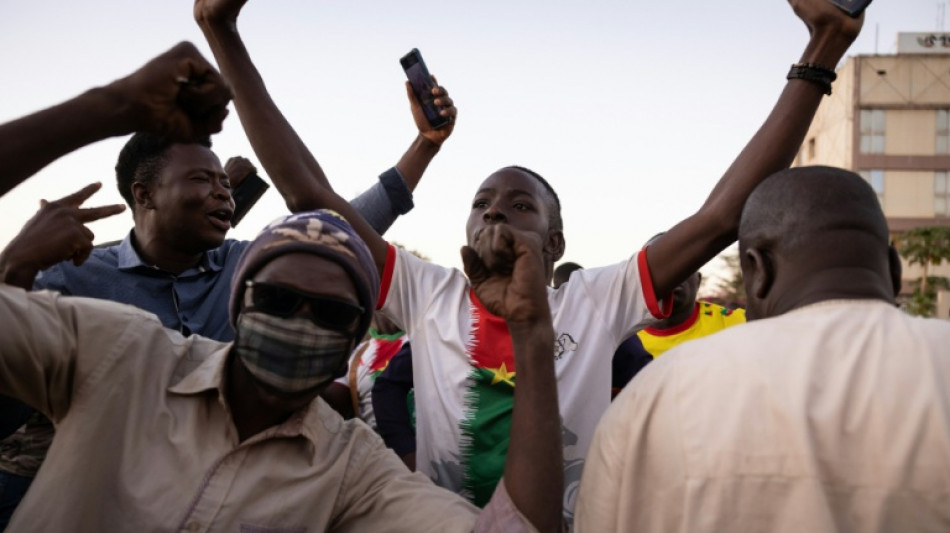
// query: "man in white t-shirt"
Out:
[826,412]
[463,369]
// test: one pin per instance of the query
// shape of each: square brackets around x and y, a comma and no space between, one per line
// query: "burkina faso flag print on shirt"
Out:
[488,404]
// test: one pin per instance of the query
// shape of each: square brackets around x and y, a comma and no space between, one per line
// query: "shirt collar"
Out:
[209,374]
[129,258]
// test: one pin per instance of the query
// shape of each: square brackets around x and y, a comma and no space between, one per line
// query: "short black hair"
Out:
[563,273]
[799,208]
[141,160]
[555,220]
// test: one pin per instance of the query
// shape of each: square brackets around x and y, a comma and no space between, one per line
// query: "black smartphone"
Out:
[246,195]
[852,7]
[422,84]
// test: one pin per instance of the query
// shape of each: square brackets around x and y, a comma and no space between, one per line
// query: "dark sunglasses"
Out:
[282,301]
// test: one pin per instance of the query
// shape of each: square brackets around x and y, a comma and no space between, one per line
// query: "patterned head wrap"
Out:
[321,232]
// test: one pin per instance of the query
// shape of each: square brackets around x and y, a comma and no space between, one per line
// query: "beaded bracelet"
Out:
[817,74]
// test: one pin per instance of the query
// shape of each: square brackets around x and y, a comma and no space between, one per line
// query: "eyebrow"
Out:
[513,192]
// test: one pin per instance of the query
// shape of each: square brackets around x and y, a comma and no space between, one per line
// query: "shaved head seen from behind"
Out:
[810,234]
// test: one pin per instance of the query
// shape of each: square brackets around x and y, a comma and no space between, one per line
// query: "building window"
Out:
[876,179]
[943,131]
[942,193]
[872,131]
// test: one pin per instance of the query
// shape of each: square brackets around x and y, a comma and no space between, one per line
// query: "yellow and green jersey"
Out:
[707,318]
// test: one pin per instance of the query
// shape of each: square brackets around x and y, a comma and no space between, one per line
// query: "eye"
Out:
[200,178]
[226,184]
[479,204]
[521,206]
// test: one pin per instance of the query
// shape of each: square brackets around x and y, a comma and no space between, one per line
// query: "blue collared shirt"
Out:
[195,301]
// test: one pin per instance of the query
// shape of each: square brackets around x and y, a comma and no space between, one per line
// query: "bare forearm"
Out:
[30,143]
[776,143]
[280,150]
[534,474]
[414,162]
[691,243]
[295,172]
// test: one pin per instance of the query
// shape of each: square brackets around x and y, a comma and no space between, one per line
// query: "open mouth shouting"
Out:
[221,218]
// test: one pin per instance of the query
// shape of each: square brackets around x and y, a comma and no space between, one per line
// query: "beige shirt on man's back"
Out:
[833,417]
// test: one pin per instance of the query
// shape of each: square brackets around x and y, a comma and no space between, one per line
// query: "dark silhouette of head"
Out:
[563,273]
[811,234]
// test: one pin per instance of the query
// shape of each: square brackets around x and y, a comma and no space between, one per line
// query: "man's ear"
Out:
[142,195]
[554,245]
[894,262]
[759,271]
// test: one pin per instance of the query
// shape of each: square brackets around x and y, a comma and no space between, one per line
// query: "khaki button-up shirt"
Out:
[145,441]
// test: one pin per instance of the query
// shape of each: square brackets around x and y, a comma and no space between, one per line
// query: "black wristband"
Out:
[816,74]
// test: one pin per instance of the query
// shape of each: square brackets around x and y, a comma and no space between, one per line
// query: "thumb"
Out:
[474,267]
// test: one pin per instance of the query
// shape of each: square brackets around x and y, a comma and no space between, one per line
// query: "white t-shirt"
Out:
[374,355]
[832,417]
[464,373]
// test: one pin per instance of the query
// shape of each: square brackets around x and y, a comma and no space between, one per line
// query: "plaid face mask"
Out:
[290,354]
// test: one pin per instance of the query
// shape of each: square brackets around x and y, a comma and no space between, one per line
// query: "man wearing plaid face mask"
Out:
[291,343]
[235,434]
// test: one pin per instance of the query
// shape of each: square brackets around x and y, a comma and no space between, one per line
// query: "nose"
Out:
[220,191]
[494,215]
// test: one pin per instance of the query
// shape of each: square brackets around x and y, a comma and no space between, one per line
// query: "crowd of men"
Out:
[180,380]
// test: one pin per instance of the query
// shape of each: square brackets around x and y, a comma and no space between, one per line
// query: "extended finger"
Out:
[444,101]
[77,198]
[90,214]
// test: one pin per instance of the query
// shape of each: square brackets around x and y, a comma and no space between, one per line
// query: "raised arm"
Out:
[177,94]
[688,245]
[382,203]
[429,141]
[284,156]
[508,276]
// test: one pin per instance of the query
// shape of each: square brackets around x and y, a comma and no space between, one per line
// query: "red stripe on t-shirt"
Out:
[490,345]
[679,328]
[387,275]
[655,307]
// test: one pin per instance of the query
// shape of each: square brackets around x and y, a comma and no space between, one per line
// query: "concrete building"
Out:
[888,119]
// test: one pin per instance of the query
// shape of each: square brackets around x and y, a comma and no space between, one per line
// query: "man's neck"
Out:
[830,284]
[678,317]
[249,415]
[160,254]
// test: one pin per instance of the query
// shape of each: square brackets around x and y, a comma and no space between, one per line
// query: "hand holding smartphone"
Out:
[854,8]
[421,82]
[246,195]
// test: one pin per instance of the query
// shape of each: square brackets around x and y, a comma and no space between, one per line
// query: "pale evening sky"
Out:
[631,109]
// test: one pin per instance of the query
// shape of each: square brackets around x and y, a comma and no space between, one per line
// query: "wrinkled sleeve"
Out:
[379,493]
[382,203]
[51,345]
[501,515]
